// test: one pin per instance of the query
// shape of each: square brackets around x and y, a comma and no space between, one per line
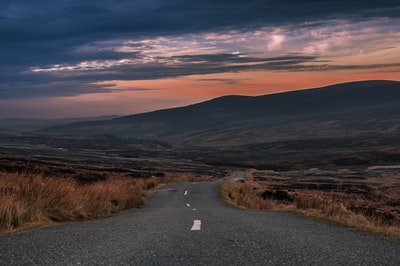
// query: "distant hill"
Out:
[367,108]
[30,124]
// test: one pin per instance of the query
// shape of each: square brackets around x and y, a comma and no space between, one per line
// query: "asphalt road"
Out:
[187,224]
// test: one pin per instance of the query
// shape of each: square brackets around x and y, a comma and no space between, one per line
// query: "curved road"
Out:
[187,224]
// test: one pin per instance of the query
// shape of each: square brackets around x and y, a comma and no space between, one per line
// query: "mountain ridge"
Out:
[375,99]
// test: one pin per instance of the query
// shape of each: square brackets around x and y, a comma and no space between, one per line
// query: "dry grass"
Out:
[332,207]
[35,200]
[243,195]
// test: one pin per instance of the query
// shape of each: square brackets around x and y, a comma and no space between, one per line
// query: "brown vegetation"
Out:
[31,200]
[363,207]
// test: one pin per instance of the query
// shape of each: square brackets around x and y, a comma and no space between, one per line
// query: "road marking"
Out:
[194,209]
[167,189]
[196,225]
[187,205]
[186,192]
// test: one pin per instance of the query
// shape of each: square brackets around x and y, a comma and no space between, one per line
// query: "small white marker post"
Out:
[196,225]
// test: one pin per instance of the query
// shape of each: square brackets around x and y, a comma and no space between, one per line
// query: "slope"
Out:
[356,107]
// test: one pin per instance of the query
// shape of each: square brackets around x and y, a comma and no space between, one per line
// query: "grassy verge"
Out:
[36,200]
[332,207]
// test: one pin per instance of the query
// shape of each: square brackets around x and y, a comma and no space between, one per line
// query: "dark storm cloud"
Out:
[187,65]
[43,33]
[55,20]
[77,81]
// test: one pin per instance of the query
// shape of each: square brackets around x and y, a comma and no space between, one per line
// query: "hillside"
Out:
[30,124]
[367,108]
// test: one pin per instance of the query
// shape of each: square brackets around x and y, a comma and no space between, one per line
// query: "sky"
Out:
[76,58]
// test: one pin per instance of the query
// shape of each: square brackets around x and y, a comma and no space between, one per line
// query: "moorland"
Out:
[332,152]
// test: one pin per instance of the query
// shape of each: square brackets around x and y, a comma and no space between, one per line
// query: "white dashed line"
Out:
[186,192]
[187,205]
[196,225]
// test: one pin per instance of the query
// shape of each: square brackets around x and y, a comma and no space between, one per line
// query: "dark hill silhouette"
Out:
[336,110]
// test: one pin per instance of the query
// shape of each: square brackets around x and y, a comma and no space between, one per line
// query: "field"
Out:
[47,179]
[366,200]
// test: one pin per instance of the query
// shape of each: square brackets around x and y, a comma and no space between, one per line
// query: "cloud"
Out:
[221,80]
[67,47]
[35,89]
[104,19]
[167,67]
[276,42]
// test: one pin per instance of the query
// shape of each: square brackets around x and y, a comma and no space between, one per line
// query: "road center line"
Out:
[196,225]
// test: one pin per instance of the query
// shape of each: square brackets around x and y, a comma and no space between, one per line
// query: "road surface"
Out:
[187,224]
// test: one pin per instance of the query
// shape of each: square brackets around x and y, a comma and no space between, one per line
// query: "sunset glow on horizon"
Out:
[65,59]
